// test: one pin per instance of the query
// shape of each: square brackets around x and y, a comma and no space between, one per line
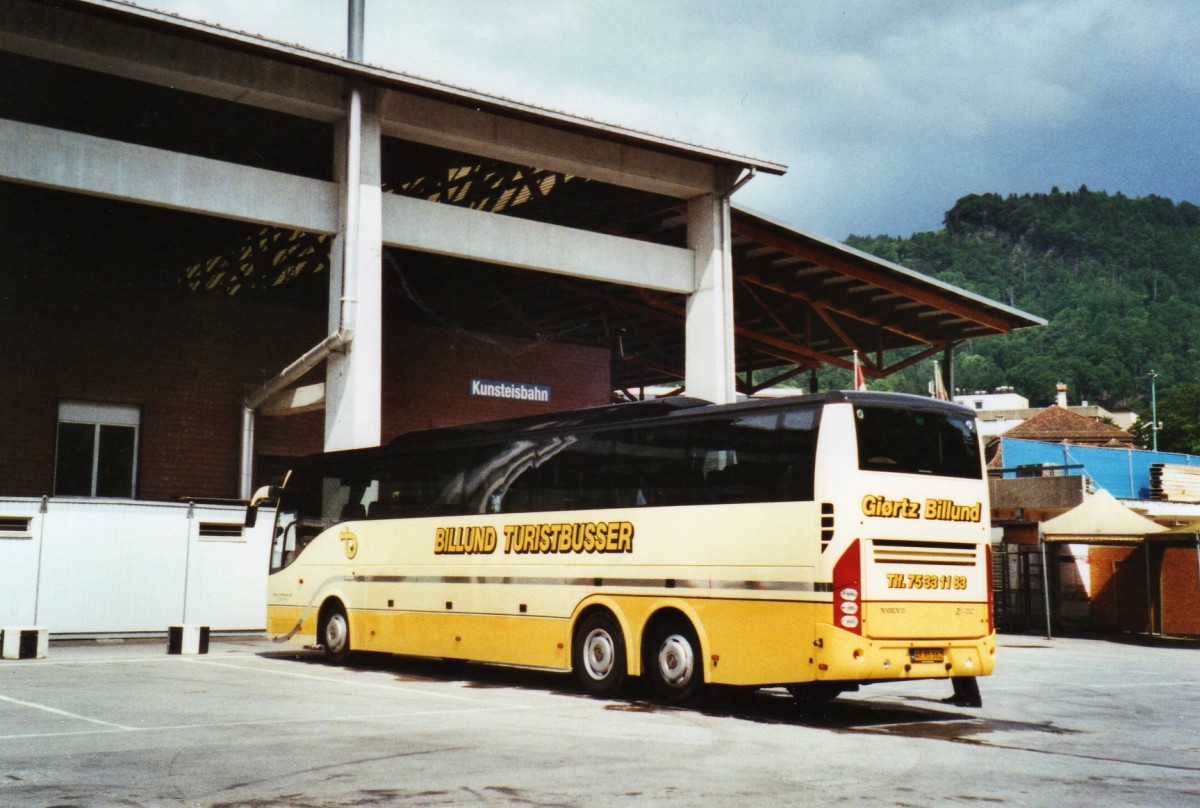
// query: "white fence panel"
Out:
[112,566]
[94,566]
[227,569]
[20,543]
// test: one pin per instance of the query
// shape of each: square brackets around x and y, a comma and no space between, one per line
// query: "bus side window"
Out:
[570,475]
[797,455]
[654,467]
[491,477]
[418,485]
[738,458]
[362,494]
[517,498]
[757,457]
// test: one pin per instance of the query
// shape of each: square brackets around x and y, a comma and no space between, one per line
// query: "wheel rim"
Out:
[599,653]
[336,631]
[676,661]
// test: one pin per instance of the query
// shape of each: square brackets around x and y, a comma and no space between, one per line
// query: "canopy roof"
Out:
[800,301]
[1099,519]
[1189,531]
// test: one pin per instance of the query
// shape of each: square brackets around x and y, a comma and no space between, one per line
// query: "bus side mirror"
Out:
[267,493]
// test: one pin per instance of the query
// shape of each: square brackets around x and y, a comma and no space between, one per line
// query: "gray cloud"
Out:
[885,112]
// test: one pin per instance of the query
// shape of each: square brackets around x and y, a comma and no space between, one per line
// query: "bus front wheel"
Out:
[673,661]
[334,633]
[598,655]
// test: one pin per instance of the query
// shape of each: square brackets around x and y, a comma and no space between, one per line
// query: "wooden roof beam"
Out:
[928,294]
[919,338]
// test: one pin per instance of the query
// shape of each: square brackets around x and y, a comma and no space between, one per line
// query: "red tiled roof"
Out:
[1059,424]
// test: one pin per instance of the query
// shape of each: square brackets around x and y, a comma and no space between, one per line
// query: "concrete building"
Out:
[226,252]
[1004,409]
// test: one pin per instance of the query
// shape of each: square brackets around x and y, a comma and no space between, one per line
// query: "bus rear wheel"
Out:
[334,634]
[673,661]
[598,655]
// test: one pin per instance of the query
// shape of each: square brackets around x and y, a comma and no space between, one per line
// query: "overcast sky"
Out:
[885,111]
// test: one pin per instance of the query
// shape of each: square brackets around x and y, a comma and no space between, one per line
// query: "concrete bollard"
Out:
[187,640]
[24,642]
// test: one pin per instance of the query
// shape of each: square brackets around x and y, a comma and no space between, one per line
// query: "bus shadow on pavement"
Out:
[776,706]
[768,705]
[942,720]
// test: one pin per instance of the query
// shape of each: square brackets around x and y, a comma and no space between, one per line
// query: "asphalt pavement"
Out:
[1077,721]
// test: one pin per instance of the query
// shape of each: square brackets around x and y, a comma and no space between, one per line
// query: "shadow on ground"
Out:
[913,717]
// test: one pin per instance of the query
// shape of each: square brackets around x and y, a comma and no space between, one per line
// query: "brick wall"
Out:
[188,360]
[1118,588]
[185,361]
[420,391]
[1181,591]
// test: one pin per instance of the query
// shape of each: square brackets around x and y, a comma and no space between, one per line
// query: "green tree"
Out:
[1179,414]
[1117,278]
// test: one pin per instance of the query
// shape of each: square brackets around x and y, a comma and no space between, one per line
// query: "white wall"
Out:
[91,566]
[993,401]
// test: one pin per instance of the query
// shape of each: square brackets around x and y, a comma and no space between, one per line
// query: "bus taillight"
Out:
[847,590]
[991,593]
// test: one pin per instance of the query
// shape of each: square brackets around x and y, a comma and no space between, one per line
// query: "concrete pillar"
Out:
[708,361]
[353,377]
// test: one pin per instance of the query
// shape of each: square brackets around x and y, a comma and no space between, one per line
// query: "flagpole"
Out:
[939,387]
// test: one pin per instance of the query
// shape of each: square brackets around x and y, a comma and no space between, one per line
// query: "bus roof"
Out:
[615,415]
[606,415]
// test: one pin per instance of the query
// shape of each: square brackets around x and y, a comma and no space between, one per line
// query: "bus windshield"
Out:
[917,441]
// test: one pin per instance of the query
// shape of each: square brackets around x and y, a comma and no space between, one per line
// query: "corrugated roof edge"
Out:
[1031,319]
[125,10]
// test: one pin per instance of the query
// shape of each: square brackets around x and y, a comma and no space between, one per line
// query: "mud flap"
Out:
[966,692]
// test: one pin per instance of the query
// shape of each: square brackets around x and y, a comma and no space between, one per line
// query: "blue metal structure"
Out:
[1124,473]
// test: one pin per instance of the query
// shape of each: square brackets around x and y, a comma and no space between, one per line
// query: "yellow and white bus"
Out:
[816,542]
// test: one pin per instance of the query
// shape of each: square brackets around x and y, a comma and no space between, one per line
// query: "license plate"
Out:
[927,654]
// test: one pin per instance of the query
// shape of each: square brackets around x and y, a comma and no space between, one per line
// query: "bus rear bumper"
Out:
[844,656]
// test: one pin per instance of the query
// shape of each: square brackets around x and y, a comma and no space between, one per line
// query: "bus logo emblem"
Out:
[349,543]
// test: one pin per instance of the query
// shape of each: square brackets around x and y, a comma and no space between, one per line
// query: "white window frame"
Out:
[98,415]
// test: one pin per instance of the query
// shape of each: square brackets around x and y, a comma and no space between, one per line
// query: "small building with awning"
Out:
[1113,569]
[1175,554]
[1098,521]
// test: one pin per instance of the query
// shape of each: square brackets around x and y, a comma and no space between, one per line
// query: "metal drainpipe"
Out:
[336,341]
[1046,583]
[354,30]
[340,338]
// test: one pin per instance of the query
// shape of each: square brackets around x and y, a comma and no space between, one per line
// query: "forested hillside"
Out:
[1117,278]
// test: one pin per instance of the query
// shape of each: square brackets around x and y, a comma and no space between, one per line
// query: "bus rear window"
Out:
[940,444]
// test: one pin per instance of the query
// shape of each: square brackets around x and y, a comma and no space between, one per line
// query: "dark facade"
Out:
[184,362]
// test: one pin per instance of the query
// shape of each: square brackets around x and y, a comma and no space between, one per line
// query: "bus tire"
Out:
[334,633]
[598,655]
[673,661]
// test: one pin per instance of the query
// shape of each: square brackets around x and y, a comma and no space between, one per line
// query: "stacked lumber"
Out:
[1174,483]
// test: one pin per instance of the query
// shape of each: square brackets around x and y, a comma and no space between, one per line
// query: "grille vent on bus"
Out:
[899,552]
[15,524]
[826,524]
[220,530]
